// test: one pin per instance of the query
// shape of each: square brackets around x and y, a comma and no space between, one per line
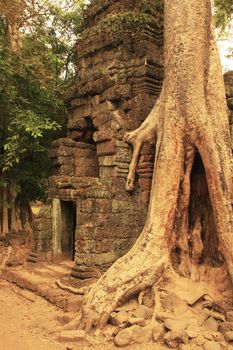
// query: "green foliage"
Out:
[223,12]
[28,109]
[147,7]
[117,26]
[160,6]
[33,78]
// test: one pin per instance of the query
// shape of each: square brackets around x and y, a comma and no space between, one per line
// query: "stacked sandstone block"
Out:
[120,74]
[71,158]
[42,226]
[119,59]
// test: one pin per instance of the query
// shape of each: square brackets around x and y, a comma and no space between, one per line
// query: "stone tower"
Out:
[94,220]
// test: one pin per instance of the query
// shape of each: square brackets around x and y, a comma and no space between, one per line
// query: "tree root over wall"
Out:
[189,223]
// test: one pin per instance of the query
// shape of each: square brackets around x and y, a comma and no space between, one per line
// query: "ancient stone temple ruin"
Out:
[93,220]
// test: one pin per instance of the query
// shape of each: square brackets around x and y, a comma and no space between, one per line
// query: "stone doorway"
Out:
[63,229]
[68,225]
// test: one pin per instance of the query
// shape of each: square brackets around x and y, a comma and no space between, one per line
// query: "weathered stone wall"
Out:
[119,61]
[109,220]
[70,158]
[120,73]
[42,230]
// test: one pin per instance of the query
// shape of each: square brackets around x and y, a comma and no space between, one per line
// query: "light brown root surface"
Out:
[176,301]
[145,263]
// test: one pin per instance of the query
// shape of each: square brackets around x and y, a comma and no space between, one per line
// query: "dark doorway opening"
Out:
[68,222]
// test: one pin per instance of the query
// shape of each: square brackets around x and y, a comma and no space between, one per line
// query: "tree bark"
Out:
[14,37]
[190,118]
[5,226]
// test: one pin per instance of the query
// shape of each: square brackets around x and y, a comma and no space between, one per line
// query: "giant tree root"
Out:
[190,116]
[173,311]
[116,285]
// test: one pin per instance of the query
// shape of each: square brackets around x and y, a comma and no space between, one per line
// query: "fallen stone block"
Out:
[212,345]
[229,336]
[174,339]
[211,324]
[133,334]
[117,318]
[175,325]
[72,336]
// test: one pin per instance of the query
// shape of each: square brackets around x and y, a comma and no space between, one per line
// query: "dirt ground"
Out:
[29,322]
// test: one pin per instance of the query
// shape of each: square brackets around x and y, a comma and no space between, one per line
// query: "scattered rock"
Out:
[190,347]
[130,306]
[123,338]
[218,337]
[162,316]
[229,336]
[207,304]
[110,331]
[72,336]
[193,331]
[207,297]
[200,340]
[225,327]
[136,320]
[212,345]
[191,321]
[174,339]
[172,303]
[147,298]
[143,312]
[208,335]
[184,347]
[203,316]
[175,325]
[141,334]
[217,316]
[158,331]
[123,325]
[211,324]
[197,298]
[118,318]
[133,334]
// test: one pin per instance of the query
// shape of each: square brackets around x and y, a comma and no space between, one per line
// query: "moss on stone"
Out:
[115,27]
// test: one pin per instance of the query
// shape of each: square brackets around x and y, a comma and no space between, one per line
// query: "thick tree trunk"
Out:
[189,119]
[14,37]
[15,220]
[5,225]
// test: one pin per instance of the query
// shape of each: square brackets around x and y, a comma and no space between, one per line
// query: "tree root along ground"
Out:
[179,312]
[29,322]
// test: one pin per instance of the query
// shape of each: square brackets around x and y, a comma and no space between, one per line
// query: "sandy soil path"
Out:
[28,322]
[25,324]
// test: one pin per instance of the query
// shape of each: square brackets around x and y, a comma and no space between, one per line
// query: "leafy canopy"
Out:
[36,40]
[223,12]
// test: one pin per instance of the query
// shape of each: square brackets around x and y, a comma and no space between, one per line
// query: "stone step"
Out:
[47,273]
[44,287]
[52,271]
